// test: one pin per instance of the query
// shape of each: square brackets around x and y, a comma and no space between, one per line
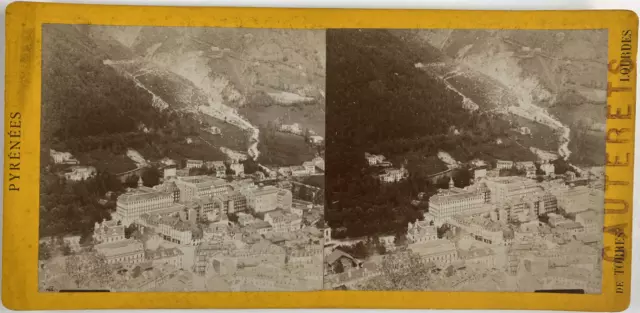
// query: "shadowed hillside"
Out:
[379,101]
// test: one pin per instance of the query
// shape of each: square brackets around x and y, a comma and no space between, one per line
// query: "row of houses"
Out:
[529,166]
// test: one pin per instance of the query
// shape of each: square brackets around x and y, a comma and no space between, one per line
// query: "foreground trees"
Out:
[401,271]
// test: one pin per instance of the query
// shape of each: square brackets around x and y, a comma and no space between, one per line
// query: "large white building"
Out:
[192,187]
[269,198]
[392,175]
[457,201]
[574,199]
[194,163]
[175,230]
[62,157]
[504,188]
[591,221]
[374,159]
[136,202]
[285,199]
[282,222]
[79,173]
[504,165]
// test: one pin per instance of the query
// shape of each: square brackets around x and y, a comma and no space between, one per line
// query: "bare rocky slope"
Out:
[201,75]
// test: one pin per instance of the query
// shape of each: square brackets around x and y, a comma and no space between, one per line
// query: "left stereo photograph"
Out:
[181,159]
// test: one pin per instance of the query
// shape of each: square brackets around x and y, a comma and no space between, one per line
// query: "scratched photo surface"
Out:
[181,159]
[465,160]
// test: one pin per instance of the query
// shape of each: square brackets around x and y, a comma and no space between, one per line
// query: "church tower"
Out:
[451,185]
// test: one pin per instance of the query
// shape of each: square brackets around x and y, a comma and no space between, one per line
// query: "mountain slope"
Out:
[82,96]
[243,61]
[96,112]
[377,96]
[247,77]
[380,101]
[560,72]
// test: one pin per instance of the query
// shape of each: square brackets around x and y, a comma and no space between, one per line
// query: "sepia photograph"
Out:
[181,159]
[465,160]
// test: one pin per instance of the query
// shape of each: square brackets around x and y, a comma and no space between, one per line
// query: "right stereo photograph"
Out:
[465,160]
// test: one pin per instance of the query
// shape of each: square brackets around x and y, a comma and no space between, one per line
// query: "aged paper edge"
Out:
[22,112]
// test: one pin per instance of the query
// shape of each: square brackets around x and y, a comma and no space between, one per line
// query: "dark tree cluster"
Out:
[250,166]
[364,249]
[561,166]
[72,208]
[513,171]
[281,149]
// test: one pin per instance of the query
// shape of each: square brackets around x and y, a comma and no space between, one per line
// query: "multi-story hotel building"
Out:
[504,188]
[575,199]
[175,230]
[169,186]
[192,187]
[231,202]
[285,199]
[590,220]
[529,207]
[143,200]
[282,222]
[456,201]
[267,198]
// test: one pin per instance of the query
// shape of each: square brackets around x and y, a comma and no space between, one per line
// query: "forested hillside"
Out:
[83,97]
[378,101]
[95,113]
[88,106]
